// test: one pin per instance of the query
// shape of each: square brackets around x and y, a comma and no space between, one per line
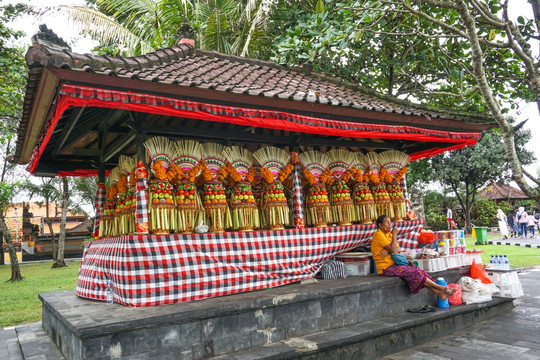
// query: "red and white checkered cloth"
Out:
[151,270]
[141,212]
[403,184]
[100,200]
[298,199]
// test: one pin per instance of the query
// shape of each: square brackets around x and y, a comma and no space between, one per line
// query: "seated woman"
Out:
[385,242]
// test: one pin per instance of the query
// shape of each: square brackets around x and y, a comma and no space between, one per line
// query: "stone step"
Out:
[376,338]
[36,344]
[87,329]
[11,349]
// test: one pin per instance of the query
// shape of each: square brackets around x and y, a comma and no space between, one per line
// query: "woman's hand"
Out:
[394,232]
[383,253]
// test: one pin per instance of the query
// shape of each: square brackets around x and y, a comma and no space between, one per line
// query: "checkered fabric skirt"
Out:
[151,270]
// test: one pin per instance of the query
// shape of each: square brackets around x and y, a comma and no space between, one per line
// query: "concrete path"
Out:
[525,242]
[513,335]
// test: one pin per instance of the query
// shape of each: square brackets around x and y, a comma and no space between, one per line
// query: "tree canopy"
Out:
[466,171]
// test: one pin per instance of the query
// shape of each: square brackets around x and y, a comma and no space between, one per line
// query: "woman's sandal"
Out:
[422,309]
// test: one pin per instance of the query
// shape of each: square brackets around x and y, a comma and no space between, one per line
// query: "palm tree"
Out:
[229,26]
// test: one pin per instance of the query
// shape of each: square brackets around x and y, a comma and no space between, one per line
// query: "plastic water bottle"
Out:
[109,295]
[441,303]
[492,262]
[506,263]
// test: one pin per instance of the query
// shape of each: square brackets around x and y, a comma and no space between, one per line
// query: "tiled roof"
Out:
[185,66]
[82,227]
[496,191]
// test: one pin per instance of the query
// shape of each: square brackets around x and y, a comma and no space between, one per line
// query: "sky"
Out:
[83,45]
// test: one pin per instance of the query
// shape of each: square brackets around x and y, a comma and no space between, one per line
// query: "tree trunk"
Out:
[492,104]
[51,231]
[62,236]
[15,269]
[417,202]
[1,248]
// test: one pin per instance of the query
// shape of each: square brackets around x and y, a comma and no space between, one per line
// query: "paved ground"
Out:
[525,242]
[513,335]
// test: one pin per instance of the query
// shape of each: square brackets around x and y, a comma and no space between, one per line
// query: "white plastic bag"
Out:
[474,291]
[201,228]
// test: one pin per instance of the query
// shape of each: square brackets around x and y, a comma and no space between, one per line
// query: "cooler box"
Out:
[356,263]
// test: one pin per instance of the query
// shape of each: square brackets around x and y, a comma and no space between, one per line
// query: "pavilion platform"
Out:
[357,317]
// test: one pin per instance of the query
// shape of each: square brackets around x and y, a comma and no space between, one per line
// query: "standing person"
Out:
[537,218]
[523,222]
[512,223]
[503,228]
[531,222]
[384,243]
[450,218]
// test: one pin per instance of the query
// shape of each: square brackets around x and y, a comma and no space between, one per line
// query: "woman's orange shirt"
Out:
[379,241]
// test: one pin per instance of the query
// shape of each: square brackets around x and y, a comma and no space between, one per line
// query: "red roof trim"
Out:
[75,95]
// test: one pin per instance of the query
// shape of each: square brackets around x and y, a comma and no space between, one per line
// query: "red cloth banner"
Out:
[75,95]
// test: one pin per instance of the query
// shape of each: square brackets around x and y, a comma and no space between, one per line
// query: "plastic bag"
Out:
[456,298]
[474,291]
[478,272]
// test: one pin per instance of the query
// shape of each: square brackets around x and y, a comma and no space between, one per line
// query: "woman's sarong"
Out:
[415,277]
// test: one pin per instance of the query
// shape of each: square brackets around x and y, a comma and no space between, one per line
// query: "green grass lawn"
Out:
[519,256]
[19,303]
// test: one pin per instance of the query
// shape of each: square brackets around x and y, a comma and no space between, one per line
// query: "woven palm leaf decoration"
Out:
[216,209]
[378,186]
[318,212]
[275,167]
[343,212]
[125,213]
[366,211]
[244,209]
[257,189]
[162,212]
[107,225]
[395,164]
[185,167]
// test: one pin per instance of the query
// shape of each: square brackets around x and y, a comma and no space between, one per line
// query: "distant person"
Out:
[523,222]
[450,219]
[512,223]
[531,223]
[503,228]
[537,218]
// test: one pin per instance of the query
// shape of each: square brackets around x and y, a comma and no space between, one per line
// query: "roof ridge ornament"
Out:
[186,34]
[47,37]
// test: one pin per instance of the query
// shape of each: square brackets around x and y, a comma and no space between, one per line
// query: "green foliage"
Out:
[19,301]
[484,212]
[12,74]
[228,26]
[7,191]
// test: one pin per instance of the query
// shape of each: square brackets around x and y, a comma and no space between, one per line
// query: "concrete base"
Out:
[323,319]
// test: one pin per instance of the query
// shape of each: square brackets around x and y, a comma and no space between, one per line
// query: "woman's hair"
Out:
[380,220]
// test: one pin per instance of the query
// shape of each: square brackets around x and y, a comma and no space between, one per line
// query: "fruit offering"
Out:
[162,193]
[317,194]
[341,161]
[342,204]
[275,168]
[242,194]
[185,194]
[214,193]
